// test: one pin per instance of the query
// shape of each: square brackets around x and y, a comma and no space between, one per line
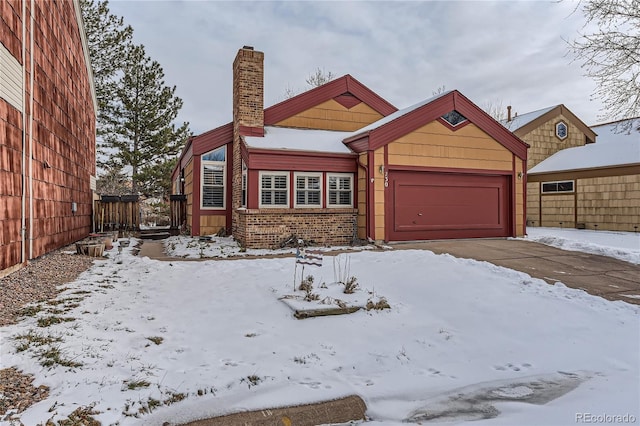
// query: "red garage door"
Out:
[446,205]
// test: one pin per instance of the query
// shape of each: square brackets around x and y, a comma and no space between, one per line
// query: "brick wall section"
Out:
[63,131]
[248,110]
[268,228]
[544,142]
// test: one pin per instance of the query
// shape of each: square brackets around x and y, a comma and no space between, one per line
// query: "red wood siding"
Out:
[301,161]
[62,122]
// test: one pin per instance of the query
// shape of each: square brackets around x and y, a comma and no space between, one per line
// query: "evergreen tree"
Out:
[140,130]
[109,41]
[155,180]
[113,181]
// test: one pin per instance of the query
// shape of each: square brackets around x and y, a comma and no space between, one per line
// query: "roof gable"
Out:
[212,139]
[523,124]
[409,119]
[345,90]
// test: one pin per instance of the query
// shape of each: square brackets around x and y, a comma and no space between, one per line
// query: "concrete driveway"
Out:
[598,275]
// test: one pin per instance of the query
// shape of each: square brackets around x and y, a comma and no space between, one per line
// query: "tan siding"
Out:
[10,78]
[520,221]
[612,203]
[330,115]
[544,142]
[188,190]
[362,198]
[558,211]
[210,225]
[533,204]
[378,160]
[434,145]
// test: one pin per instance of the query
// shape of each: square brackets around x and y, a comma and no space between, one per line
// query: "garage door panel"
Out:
[438,205]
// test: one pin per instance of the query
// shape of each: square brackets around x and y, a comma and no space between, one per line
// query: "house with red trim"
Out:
[339,163]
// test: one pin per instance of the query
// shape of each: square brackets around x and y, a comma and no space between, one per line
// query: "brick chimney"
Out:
[248,120]
[248,92]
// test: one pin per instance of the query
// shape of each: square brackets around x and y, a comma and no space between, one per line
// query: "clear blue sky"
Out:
[507,52]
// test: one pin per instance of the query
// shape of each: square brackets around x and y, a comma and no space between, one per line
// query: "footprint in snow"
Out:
[513,367]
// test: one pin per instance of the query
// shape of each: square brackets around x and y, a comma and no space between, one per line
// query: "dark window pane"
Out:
[454,118]
[565,186]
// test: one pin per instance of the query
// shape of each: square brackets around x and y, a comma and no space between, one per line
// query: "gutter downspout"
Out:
[31,133]
[23,222]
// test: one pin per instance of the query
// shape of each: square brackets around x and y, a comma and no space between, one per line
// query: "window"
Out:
[274,189]
[308,190]
[454,118]
[339,190]
[213,178]
[555,187]
[243,202]
[562,131]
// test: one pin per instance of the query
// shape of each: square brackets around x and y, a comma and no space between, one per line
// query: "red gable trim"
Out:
[212,139]
[490,126]
[427,113]
[318,95]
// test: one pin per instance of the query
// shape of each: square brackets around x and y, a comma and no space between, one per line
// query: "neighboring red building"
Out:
[339,163]
[47,129]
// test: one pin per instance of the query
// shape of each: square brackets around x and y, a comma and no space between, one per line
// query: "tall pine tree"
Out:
[109,42]
[136,110]
[140,131]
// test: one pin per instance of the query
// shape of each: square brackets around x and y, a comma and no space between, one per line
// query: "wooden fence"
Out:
[117,213]
[178,211]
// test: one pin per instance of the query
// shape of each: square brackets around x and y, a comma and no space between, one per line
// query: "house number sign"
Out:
[386,179]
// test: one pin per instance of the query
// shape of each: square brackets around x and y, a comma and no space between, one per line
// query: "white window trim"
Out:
[566,126]
[340,206]
[295,189]
[542,184]
[224,179]
[274,206]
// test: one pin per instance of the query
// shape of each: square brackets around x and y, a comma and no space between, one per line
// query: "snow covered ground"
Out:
[620,245]
[462,340]
[211,247]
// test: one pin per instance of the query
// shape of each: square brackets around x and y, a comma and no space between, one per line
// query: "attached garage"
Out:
[442,169]
[430,206]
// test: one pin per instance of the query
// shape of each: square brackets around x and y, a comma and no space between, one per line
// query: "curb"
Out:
[350,408]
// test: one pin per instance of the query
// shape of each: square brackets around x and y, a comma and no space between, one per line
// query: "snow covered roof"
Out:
[591,156]
[300,140]
[396,115]
[524,119]
[617,131]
